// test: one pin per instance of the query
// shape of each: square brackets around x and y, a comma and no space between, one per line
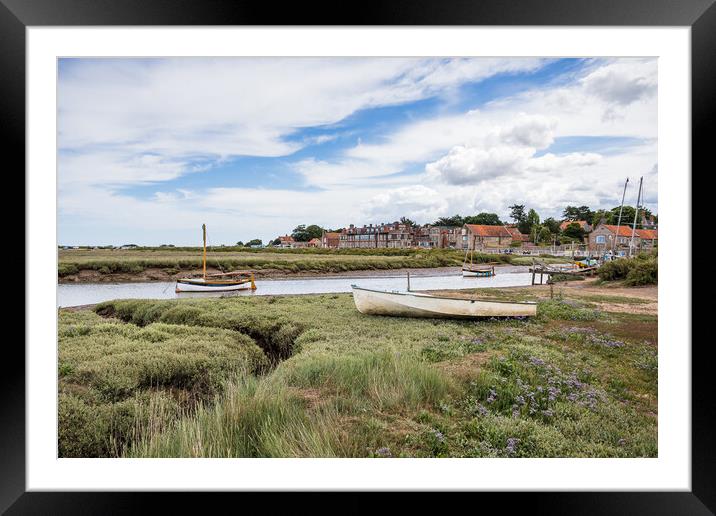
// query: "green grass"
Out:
[173,260]
[309,376]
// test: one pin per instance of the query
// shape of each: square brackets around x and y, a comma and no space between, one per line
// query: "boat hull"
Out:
[199,285]
[407,304]
[486,273]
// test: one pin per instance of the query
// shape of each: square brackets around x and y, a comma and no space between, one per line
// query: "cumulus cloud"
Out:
[506,151]
[622,83]
[416,202]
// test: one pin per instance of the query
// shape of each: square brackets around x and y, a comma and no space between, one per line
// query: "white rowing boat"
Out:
[414,304]
[245,280]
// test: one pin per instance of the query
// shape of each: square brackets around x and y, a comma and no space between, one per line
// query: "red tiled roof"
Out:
[566,223]
[624,231]
[648,234]
[482,230]
[512,230]
[286,238]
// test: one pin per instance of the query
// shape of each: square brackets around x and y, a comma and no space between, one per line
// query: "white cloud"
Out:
[415,202]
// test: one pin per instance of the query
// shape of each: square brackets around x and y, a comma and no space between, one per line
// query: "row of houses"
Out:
[398,235]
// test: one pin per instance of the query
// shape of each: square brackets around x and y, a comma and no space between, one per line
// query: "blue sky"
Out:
[151,149]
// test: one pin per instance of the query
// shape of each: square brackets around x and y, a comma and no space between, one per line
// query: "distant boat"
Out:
[413,304]
[243,279]
[470,270]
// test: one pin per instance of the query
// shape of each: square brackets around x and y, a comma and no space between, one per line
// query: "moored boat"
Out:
[241,281]
[214,285]
[415,304]
[478,272]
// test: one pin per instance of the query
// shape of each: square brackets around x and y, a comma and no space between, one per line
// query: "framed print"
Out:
[415,249]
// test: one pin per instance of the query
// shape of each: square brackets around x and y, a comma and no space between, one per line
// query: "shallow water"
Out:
[90,293]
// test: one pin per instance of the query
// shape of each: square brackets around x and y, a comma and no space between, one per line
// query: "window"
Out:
[601,239]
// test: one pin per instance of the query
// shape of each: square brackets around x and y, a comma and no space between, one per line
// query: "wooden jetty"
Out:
[549,270]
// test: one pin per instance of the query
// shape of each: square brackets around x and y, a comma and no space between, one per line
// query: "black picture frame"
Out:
[700,15]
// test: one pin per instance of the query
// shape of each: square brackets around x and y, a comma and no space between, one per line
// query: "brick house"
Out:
[438,237]
[395,235]
[648,238]
[604,237]
[517,236]
[479,236]
[330,240]
[286,241]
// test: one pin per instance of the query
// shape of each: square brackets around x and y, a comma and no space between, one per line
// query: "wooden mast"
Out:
[203,229]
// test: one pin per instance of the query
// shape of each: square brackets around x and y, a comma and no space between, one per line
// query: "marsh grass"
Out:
[309,376]
[173,260]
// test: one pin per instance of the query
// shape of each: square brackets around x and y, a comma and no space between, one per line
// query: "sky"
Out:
[150,149]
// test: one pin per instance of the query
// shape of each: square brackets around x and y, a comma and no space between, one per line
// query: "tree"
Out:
[407,221]
[603,215]
[628,215]
[303,233]
[552,224]
[255,241]
[275,242]
[454,221]
[487,219]
[239,244]
[578,213]
[517,213]
[530,222]
[574,230]
[544,235]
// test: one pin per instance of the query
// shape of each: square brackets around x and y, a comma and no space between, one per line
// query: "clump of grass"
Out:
[641,270]
[387,379]
[107,368]
[248,420]
[565,310]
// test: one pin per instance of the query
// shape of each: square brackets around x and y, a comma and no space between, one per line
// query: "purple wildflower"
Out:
[492,396]
[383,452]
[481,409]
[511,445]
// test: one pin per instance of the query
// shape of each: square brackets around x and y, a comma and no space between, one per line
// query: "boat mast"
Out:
[636,212]
[619,222]
[203,230]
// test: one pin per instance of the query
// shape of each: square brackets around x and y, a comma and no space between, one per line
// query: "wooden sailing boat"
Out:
[470,270]
[210,283]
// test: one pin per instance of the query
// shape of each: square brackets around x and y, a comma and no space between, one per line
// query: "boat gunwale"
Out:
[419,294]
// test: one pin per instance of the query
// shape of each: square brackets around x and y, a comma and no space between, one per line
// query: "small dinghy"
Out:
[473,270]
[477,272]
[241,280]
[413,304]
[214,285]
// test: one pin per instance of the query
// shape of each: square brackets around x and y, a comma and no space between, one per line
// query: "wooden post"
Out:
[551,290]
[408,281]
[533,271]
